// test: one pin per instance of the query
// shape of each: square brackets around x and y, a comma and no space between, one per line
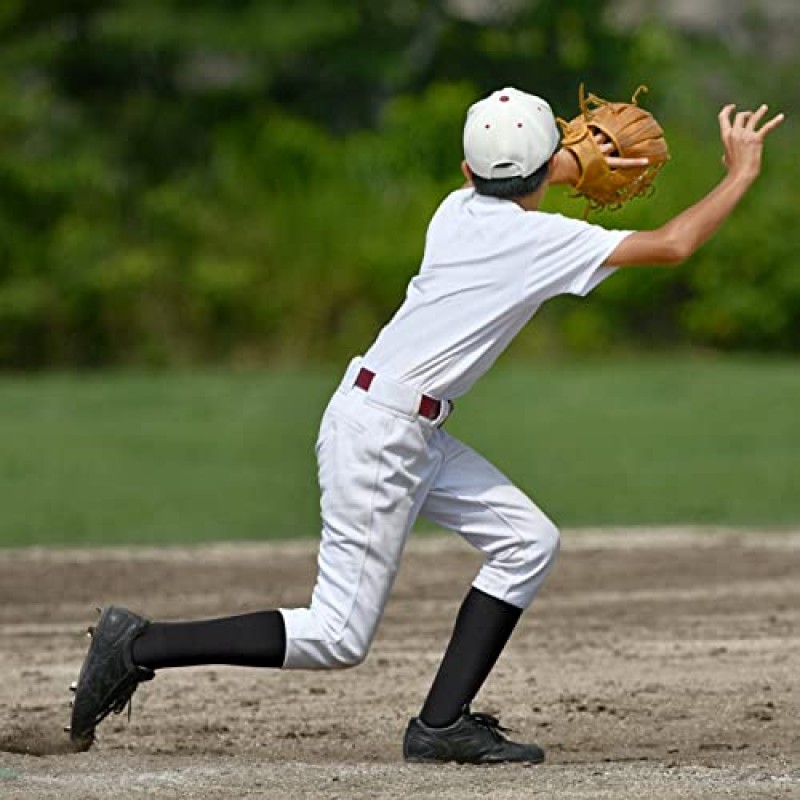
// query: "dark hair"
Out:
[509,188]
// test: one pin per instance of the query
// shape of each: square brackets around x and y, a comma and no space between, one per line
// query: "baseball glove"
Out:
[631,131]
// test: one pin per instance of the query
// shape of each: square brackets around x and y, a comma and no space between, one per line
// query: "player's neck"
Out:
[531,202]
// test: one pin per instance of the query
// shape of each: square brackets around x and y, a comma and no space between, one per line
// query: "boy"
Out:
[491,259]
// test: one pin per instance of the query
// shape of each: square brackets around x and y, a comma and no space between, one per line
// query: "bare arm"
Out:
[679,238]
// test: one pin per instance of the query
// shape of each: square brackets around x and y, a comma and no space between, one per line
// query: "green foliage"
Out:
[244,181]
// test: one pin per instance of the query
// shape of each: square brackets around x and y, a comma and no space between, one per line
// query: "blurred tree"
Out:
[161,72]
[175,175]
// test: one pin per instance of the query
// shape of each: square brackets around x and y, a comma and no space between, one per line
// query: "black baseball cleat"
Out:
[108,677]
[471,739]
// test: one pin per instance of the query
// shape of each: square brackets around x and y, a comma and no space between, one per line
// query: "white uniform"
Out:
[488,266]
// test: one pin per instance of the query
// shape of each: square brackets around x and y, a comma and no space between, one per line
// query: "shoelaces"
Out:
[489,722]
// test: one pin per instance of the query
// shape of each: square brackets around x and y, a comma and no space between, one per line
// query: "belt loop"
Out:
[444,413]
[349,378]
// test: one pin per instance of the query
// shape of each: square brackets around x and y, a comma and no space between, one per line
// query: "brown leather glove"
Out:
[632,132]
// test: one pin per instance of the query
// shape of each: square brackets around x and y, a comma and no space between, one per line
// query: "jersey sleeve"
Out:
[569,255]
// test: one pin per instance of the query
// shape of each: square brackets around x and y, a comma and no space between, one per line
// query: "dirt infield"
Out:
[656,664]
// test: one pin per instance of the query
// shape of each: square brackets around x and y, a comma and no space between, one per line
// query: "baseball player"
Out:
[491,259]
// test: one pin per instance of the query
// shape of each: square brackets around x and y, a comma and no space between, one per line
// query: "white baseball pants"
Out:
[380,466]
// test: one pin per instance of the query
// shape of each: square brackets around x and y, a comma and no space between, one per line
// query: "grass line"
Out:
[172,458]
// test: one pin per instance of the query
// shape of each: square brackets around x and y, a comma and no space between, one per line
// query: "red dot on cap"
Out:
[519,124]
[488,126]
[504,98]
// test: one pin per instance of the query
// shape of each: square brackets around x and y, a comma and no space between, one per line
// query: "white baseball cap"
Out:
[509,134]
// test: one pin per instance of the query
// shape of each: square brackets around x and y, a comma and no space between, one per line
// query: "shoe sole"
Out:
[487,763]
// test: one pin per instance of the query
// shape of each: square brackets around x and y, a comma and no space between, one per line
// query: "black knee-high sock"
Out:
[483,626]
[247,640]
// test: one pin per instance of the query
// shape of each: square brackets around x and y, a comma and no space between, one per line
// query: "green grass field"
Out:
[169,458]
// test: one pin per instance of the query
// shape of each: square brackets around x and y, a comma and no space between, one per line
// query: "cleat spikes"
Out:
[67,729]
[90,631]
[73,687]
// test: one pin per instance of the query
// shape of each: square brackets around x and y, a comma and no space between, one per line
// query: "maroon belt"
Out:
[429,407]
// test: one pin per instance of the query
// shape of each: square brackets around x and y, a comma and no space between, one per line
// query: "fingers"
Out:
[771,124]
[725,118]
[748,120]
[757,116]
[626,163]
[607,147]
[604,145]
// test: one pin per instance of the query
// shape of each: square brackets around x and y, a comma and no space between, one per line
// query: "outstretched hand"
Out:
[743,140]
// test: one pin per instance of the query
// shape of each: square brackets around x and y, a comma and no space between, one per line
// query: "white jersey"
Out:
[488,266]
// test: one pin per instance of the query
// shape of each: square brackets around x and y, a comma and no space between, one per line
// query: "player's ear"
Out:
[554,168]
[466,172]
